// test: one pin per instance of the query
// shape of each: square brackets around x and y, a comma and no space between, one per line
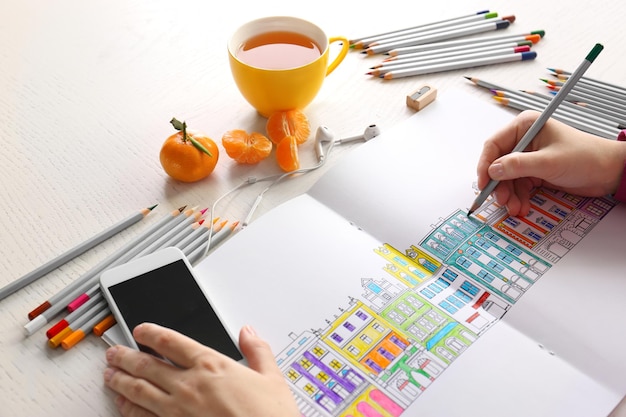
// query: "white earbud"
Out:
[370,132]
[322,135]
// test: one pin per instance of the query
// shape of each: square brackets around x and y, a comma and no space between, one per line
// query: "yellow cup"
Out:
[271,90]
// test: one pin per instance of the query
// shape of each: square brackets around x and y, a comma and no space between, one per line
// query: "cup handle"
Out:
[345,47]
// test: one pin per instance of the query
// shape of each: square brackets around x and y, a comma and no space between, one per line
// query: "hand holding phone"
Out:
[162,288]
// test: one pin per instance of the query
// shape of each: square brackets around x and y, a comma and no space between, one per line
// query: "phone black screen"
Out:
[170,296]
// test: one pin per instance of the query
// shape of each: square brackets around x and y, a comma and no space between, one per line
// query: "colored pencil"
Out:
[455,50]
[469,63]
[437,36]
[587,80]
[355,41]
[534,37]
[572,119]
[99,267]
[80,286]
[104,325]
[436,60]
[606,103]
[74,252]
[541,120]
[593,89]
[73,321]
[403,34]
[79,334]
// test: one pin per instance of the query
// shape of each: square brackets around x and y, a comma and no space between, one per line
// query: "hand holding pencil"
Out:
[523,143]
[560,157]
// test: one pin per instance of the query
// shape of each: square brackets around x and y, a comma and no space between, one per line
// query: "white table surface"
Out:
[87,92]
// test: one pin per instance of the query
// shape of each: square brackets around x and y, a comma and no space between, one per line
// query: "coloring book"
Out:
[380,297]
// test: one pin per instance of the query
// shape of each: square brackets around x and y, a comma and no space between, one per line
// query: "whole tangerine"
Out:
[188,155]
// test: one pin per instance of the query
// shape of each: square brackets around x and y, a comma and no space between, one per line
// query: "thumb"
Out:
[519,165]
[257,352]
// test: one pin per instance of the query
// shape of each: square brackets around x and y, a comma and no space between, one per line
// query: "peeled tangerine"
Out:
[246,148]
[288,123]
[287,154]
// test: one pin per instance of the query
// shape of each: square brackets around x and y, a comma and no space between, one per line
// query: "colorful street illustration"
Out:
[383,349]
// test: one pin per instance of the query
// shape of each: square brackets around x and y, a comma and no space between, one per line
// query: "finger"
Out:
[257,352]
[522,190]
[502,143]
[144,395]
[534,164]
[142,365]
[178,348]
[129,409]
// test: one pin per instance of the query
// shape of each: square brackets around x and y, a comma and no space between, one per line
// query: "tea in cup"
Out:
[280,62]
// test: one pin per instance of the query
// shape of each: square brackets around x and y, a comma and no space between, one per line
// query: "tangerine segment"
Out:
[246,148]
[183,161]
[287,154]
[288,123]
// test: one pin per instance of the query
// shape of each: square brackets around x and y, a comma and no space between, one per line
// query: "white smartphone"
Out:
[162,288]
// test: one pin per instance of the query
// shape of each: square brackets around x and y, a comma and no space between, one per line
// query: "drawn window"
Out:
[462,296]
[482,243]
[492,236]
[470,288]
[397,317]
[473,252]
[406,309]
[323,376]
[443,283]
[398,342]
[455,301]
[514,250]
[448,307]
[558,211]
[305,363]
[353,350]
[378,327]
[366,339]
[511,222]
[385,353]
[427,293]
[414,302]
[336,338]
[360,314]
[485,275]
[495,266]
[532,234]
[293,375]
[309,389]
[505,258]
[538,200]
[335,364]
[463,262]
[373,366]
[318,351]
[450,275]
[349,326]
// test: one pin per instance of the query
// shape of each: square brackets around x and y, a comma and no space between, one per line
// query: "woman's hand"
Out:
[206,383]
[559,157]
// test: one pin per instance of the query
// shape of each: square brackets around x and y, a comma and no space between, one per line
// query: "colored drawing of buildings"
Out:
[383,350]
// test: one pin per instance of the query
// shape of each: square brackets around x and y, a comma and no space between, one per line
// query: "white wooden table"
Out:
[87,90]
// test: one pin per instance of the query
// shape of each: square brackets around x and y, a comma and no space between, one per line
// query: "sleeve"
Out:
[620,194]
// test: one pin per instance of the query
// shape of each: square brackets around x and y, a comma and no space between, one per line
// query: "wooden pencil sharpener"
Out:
[421,97]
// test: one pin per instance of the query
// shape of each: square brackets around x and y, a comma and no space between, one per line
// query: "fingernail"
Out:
[108,374]
[250,330]
[110,353]
[496,170]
